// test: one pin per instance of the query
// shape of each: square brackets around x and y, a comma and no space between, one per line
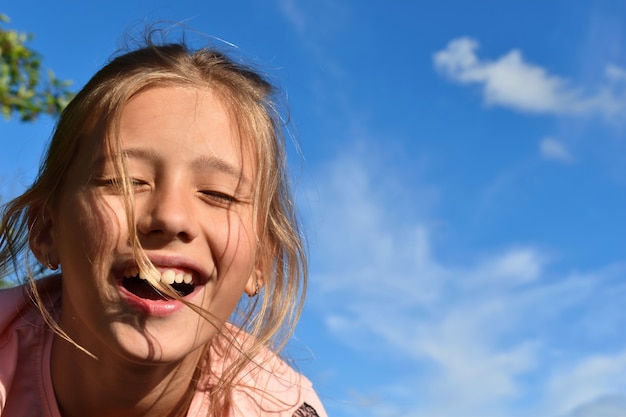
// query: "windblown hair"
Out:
[250,99]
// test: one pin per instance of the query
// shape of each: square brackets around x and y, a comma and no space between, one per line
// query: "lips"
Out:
[142,297]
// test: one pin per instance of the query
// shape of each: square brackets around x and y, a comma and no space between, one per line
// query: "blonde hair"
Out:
[249,97]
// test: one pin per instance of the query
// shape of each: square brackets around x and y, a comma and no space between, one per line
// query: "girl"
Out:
[161,200]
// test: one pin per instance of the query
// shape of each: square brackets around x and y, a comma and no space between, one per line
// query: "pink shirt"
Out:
[26,385]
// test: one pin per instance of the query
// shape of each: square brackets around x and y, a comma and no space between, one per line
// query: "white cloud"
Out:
[510,81]
[588,384]
[605,406]
[496,336]
[615,73]
[551,148]
[515,266]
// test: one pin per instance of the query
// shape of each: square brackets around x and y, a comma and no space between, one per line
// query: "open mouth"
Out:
[142,289]
[181,282]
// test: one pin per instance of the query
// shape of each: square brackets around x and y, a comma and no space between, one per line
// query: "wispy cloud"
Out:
[590,385]
[511,81]
[319,20]
[553,149]
[606,406]
[499,334]
[294,15]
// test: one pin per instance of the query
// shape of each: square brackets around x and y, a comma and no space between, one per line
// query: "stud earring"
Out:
[256,289]
[49,264]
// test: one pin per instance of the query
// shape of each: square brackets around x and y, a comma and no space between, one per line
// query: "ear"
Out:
[256,281]
[41,236]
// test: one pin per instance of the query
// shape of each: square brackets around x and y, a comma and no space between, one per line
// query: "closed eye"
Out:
[137,182]
[106,182]
[116,183]
[218,197]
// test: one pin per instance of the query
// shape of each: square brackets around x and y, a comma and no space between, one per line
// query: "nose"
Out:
[166,214]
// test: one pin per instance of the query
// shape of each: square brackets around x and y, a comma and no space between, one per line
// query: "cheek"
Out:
[90,226]
[238,242]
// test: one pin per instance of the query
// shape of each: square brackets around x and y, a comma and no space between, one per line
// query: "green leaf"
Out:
[26,89]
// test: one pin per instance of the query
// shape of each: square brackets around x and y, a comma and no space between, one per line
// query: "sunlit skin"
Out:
[193,206]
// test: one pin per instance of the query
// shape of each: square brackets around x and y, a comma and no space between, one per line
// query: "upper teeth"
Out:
[169,276]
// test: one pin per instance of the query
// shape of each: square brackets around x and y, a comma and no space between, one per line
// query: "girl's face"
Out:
[192,186]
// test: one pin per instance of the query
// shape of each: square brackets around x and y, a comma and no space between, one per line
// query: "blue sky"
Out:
[463,185]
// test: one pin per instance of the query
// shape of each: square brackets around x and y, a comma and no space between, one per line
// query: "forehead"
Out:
[187,118]
[185,123]
[175,105]
[181,117]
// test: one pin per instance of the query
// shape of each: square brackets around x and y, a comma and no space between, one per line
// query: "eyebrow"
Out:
[221,165]
[201,162]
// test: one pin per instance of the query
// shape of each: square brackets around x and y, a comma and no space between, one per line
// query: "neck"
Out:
[110,386]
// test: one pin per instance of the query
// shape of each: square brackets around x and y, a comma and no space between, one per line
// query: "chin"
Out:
[154,344]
